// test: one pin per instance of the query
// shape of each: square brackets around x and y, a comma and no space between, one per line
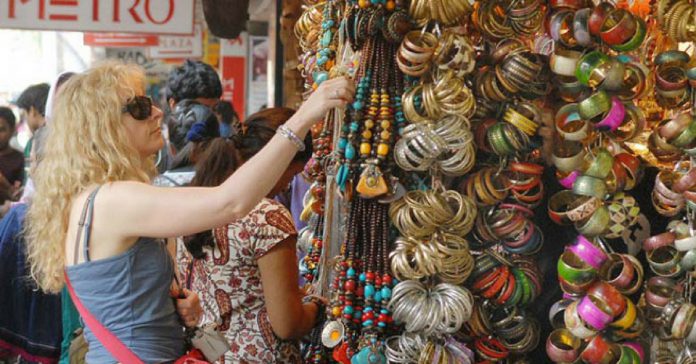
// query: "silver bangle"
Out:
[291,136]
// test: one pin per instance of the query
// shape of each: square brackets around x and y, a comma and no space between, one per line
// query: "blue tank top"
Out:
[129,295]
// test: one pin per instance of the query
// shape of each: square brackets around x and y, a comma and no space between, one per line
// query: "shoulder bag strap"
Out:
[110,341]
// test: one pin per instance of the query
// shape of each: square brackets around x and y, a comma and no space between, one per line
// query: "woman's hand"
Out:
[188,306]
[337,92]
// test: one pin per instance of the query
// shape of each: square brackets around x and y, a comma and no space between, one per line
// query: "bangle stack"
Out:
[445,140]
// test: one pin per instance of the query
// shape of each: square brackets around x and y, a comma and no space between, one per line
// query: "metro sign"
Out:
[139,16]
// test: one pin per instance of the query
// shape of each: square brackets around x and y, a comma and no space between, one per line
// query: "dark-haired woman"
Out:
[245,272]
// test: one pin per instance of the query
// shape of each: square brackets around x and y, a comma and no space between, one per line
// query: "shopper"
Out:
[28,189]
[118,266]
[11,161]
[193,85]
[32,104]
[30,325]
[245,271]
[228,118]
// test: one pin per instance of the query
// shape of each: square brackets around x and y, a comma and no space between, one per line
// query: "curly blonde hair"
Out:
[87,145]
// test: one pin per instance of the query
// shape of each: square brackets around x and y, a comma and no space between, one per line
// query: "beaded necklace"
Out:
[326,53]
[346,146]
[362,287]
[367,133]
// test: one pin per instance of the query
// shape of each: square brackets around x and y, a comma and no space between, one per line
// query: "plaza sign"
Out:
[139,16]
[186,46]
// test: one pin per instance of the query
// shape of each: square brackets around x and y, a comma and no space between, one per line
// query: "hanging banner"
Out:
[258,73]
[140,16]
[187,46]
[233,63]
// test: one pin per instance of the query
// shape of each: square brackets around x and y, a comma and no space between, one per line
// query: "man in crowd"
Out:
[32,104]
[11,161]
[193,91]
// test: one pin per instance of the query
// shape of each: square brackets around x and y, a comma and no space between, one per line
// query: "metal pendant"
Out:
[372,183]
[332,334]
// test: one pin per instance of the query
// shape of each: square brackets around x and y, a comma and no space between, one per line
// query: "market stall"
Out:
[474,124]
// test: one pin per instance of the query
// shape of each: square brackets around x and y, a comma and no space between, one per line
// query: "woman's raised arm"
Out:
[136,209]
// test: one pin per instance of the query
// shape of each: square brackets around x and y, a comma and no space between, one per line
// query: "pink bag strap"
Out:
[112,343]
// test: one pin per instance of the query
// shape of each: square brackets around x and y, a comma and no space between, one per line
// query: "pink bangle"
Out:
[575,324]
[665,191]
[568,296]
[660,291]
[588,252]
[529,230]
[519,208]
[567,181]
[562,346]
[614,118]
[593,315]
[626,275]
[637,348]
[659,240]
[685,182]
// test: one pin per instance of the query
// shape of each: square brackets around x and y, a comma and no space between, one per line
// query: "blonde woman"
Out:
[97,169]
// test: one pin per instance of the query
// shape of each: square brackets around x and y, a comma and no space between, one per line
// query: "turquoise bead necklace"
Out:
[350,130]
[326,53]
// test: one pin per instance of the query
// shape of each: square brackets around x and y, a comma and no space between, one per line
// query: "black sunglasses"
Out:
[139,107]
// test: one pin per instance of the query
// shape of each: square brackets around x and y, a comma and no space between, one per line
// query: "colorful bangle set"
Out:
[430,177]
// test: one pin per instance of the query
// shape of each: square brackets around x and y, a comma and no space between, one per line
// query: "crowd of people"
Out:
[125,228]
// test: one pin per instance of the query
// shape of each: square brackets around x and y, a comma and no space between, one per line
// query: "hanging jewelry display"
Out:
[613,102]
[443,142]
[358,318]
[317,30]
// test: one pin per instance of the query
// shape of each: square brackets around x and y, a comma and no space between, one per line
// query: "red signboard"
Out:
[233,61]
[234,82]
[120,40]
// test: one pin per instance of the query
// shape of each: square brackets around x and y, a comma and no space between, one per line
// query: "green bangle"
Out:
[614,77]
[687,136]
[526,287]
[595,105]
[690,204]
[691,73]
[596,224]
[688,261]
[636,40]
[628,356]
[587,63]
[601,165]
[590,186]
[672,56]
[498,141]
[574,270]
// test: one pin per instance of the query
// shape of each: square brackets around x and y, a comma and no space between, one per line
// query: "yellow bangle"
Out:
[626,320]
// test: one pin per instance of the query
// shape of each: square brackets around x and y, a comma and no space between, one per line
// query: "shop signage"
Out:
[120,40]
[140,16]
[233,63]
[129,55]
[188,46]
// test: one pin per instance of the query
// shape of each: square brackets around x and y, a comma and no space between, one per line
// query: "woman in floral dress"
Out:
[245,272]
